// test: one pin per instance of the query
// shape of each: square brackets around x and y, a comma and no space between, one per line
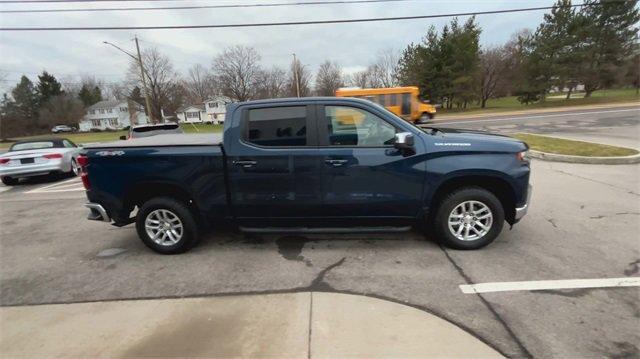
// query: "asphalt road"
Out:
[583,223]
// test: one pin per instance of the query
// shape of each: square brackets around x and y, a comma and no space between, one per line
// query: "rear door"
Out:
[364,176]
[274,168]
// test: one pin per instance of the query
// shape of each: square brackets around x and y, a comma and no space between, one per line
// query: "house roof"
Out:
[106,104]
[186,107]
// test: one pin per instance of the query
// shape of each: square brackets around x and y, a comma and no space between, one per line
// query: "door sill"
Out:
[325,230]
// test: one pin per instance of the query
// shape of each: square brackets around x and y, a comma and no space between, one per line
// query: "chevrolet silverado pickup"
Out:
[328,165]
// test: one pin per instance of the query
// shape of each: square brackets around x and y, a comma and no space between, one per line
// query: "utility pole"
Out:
[295,75]
[144,83]
[138,59]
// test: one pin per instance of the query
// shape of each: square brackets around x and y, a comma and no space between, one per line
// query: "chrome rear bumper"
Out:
[521,211]
[98,213]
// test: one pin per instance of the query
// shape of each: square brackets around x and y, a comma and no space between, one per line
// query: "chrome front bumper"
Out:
[521,211]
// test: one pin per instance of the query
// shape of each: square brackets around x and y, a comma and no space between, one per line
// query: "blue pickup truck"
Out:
[325,165]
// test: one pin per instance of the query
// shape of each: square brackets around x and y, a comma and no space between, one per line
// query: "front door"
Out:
[274,169]
[364,176]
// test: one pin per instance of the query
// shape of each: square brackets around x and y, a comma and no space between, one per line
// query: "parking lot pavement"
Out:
[583,224]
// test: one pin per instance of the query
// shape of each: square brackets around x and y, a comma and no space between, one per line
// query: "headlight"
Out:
[523,156]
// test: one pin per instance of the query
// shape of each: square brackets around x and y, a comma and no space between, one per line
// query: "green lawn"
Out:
[570,147]
[89,137]
[553,100]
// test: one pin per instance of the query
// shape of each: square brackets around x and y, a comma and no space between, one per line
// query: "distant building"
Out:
[212,110]
[112,115]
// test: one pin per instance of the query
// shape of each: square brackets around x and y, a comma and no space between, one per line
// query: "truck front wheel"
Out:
[469,218]
[166,225]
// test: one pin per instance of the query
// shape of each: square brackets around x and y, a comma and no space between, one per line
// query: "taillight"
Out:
[82,160]
[84,176]
[50,156]
[4,160]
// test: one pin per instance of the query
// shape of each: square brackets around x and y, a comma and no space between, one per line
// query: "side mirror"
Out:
[403,140]
[123,137]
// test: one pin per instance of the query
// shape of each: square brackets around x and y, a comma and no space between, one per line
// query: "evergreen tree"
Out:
[136,96]
[25,101]
[606,31]
[48,86]
[88,96]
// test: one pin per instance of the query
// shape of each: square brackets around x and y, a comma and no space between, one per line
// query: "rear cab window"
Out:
[277,126]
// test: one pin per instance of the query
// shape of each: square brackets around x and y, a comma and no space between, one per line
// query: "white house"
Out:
[112,114]
[212,110]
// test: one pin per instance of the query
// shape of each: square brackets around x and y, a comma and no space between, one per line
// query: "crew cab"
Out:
[325,164]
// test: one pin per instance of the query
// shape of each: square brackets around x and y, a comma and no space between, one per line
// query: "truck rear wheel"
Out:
[469,218]
[166,225]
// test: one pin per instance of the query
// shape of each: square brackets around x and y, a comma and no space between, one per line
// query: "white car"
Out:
[62,128]
[38,157]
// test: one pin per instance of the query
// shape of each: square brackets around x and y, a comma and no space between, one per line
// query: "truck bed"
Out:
[204,139]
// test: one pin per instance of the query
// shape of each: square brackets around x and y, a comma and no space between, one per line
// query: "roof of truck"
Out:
[305,99]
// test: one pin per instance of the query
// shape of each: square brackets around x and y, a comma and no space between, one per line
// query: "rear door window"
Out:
[406,104]
[277,126]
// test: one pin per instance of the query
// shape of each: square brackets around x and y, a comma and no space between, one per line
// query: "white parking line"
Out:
[70,185]
[550,284]
[444,122]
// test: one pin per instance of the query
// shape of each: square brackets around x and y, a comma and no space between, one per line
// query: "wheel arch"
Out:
[493,183]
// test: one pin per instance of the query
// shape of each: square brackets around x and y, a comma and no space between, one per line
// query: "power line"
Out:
[77,1]
[293,23]
[193,7]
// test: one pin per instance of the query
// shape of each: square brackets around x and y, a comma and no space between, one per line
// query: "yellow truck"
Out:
[403,101]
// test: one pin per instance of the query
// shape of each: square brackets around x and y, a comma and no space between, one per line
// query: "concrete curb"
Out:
[554,157]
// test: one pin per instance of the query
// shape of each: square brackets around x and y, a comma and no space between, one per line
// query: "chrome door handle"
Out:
[245,163]
[336,163]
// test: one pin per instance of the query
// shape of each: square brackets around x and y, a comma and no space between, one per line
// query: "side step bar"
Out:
[325,230]
[98,213]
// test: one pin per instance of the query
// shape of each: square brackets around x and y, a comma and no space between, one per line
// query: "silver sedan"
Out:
[39,157]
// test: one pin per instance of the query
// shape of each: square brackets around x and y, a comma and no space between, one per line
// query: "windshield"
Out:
[32,145]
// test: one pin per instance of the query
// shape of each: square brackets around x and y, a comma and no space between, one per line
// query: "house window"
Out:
[93,112]
[101,110]
[110,110]
[192,115]
[212,104]
[95,123]
[113,122]
[123,109]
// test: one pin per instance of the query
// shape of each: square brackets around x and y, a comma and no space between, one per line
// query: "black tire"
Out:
[459,196]
[425,117]
[190,233]
[9,181]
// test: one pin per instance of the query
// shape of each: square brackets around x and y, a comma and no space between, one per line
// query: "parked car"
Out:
[62,128]
[39,157]
[152,130]
[307,165]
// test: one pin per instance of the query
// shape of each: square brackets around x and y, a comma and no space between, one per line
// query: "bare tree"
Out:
[384,71]
[199,84]
[63,109]
[328,79]
[272,83]
[236,71]
[360,79]
[162,81]
[300,73]
[493,64]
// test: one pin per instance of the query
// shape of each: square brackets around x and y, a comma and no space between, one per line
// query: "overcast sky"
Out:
[71,54]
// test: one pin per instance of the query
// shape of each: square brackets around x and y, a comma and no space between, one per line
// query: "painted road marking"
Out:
[70,185]
[549,284]
[444,122]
